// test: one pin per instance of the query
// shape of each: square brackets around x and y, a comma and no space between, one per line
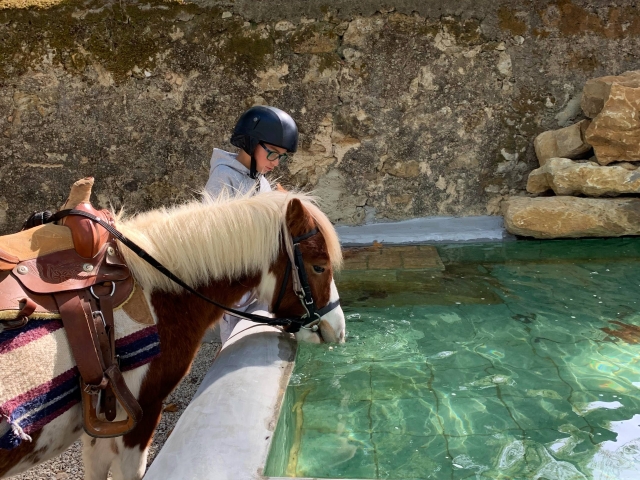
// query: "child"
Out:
[265,135]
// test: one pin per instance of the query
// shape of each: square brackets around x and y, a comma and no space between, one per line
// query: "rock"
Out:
[341,204]
[568,142]
[504,64]
[596,91]
[615,132]
[567,177]
[4,206]
[572,217]
[570,111]
[360,29]
[314,38]
[406,169]
[626,165]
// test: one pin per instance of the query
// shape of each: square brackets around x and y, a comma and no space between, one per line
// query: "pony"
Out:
[222,248]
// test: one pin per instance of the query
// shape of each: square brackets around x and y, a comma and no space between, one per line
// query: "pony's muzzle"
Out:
[328,334]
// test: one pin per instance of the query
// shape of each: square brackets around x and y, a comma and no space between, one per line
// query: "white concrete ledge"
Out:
[426,230]
[225,432]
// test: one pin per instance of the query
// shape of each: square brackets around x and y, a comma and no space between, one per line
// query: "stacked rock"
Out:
[582,164]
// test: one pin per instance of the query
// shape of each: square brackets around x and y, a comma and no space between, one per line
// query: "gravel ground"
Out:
[68,466]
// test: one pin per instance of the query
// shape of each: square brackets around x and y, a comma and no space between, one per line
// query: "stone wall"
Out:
[406,109]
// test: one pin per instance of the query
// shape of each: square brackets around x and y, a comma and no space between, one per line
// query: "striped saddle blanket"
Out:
[39,380]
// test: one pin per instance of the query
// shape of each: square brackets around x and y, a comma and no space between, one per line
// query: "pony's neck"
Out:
[202,242]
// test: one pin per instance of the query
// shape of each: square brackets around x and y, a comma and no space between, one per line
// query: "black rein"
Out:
[293,324]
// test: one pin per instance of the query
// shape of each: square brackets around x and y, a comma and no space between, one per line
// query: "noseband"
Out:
[300,282]
[309,320]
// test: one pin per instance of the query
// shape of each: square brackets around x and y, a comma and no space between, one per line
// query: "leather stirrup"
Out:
[103,429]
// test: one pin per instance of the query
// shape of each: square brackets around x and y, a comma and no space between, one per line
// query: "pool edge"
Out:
[225,433]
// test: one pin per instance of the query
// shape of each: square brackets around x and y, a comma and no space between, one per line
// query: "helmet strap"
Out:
[253,171]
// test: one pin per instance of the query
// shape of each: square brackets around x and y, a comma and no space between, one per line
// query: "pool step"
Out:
[378,276]
[406,257]
[389,267]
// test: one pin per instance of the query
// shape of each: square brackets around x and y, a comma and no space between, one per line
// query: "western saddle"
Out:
[75,272]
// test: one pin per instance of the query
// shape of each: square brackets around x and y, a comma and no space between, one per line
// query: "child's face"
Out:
[266,156]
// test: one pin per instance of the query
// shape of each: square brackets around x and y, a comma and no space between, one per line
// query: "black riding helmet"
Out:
[264,124]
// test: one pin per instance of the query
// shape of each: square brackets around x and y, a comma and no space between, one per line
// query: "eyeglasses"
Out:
[273,155]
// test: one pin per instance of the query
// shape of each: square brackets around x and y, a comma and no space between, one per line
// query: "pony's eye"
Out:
[318,269]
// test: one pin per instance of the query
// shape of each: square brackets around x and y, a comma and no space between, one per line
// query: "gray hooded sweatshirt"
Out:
[227,173]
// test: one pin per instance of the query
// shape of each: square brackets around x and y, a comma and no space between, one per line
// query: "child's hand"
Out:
[280,188]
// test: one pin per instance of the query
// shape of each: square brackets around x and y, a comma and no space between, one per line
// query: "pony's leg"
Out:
[97,456]
[131,463]
[133,448]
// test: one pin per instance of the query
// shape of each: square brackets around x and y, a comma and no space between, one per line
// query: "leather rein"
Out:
[295,267]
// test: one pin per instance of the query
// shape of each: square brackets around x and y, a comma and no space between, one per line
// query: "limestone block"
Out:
[596,91]
[567,177]
[625,165]
[572,217]
[338,200]
[360,29]
[315,42]
[615,132]
[567,142]
[403,169]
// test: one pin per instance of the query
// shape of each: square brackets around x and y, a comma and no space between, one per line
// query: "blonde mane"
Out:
[216,238]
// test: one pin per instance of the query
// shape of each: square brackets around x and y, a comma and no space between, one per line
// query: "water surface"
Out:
[511,363]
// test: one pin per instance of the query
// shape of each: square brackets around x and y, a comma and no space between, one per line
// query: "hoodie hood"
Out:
[226,172]
[228,159]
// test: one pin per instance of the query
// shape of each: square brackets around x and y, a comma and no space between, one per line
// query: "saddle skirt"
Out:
[39,377]
[43,260]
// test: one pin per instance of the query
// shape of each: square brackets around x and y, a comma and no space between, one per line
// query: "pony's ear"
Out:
[298,219]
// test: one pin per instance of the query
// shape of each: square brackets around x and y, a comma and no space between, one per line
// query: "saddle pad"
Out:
[39,380]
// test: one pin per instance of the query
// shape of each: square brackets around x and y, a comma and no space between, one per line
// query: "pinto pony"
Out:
[223,248]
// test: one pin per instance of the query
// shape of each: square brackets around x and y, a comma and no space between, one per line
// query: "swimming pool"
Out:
[511,360]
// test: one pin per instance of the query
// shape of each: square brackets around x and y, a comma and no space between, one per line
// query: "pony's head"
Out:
[310,248]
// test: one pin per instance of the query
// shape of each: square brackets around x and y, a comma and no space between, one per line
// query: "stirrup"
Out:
[96,427]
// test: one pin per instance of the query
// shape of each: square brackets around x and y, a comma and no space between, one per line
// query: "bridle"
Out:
[295,267]
[300,281]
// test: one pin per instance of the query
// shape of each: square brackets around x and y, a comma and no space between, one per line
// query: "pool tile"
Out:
[534,382]
[594,380]
[412,457]
[461,416]
[422,259]
[475,456]
[511,456]
[385,261]
[337,417]
[453,356]
[330,455]
[534,413]
[393,381]
[355,385]
[463,382]
[410,416]
[510,352]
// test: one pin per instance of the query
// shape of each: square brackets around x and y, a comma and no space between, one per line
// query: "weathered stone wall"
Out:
[406,109]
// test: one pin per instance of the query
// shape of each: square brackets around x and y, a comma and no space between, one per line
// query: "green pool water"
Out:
[517,361]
